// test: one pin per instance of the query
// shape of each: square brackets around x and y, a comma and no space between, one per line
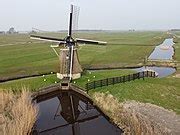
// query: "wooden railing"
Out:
[121,79]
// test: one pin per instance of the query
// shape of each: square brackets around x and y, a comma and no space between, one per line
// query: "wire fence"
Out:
[121,79]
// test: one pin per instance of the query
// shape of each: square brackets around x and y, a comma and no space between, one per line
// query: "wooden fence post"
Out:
[116,81]
[122,79]
[101,83]
[143,75]
[133,77]
[87,89]
[94,84]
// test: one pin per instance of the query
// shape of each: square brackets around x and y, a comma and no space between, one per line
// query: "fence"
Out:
[121,79]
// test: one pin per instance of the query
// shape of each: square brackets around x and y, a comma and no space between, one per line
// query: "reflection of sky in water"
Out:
[162,71]
[163,54]
[47,110]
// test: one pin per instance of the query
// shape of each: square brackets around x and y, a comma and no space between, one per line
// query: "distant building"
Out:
[175,29]
[23,32]
[132,30]
[2,32]
[12,31]
[33,32]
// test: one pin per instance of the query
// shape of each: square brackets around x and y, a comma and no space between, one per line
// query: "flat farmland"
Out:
[20,56]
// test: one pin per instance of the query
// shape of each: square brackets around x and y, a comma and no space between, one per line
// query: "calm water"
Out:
[68,113]
[162,71]
[164,51]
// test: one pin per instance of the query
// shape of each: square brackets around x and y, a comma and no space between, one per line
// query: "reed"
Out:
[17,113]
[131,122]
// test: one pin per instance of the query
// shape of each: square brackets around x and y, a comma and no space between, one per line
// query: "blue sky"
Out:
[94,14]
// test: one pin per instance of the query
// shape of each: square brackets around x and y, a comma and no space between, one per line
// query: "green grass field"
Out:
[163,92]
[32,83]
[123,49]
[177,51]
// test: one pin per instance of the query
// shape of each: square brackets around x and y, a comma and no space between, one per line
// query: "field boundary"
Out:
[18,77]
[120,79]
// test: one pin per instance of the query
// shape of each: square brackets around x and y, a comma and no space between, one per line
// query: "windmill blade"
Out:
[70,22]
[86,41]
[49,39]
[71,55]
[75,19]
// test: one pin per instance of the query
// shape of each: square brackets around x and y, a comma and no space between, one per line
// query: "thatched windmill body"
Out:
[69,62]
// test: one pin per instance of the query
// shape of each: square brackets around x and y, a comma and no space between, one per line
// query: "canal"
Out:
[70,113]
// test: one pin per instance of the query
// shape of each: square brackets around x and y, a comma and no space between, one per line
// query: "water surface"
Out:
[67,113]
[164,51]
[162,71]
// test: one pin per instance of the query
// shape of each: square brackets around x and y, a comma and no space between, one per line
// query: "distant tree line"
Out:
[10,31]
[175,29]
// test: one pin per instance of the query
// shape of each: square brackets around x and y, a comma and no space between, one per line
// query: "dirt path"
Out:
[164,119]
[177,76]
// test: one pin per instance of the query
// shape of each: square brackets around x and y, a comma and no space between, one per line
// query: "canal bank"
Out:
[161,60]
[137,117]
[70,112]
[163,55]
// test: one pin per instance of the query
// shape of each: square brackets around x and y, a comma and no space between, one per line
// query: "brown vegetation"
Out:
[131,121]
[162,63]
[17,114]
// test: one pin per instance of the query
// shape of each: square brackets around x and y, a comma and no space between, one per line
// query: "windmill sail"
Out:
[70,67]
[86,41]
[71,52]
[76,10]
[73,22]
[49,39]
[70,22]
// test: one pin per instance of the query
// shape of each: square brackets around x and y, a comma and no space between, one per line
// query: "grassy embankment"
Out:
[32,57]
[163,92]
[123,49]
[177,51]
[33,83]
[135,118]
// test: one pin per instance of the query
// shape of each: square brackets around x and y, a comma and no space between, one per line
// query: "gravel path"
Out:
[162,118]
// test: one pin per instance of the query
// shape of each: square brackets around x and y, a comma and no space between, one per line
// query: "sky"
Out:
[53,15]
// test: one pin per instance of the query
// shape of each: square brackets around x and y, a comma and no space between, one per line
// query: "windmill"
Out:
[69,61]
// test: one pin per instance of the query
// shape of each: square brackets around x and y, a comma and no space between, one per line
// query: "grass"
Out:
[32,57]
[26,59]
[98,75]
[136,46]
[124,49]
[177,52]
[130,121]
[33,83]
[162,92]
[17,114]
